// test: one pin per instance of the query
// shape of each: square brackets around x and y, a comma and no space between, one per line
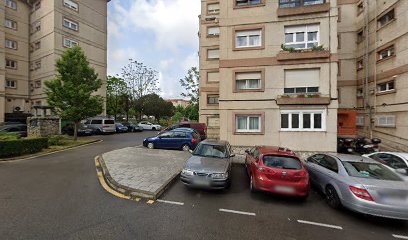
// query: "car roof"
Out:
[214,142]
[265,150]
[351,158]
[183,130]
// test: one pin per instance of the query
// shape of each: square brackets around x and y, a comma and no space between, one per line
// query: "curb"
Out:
[32,156]
[127,192]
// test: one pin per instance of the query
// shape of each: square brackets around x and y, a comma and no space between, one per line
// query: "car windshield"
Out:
[282,162]
[207,150]
[370,170]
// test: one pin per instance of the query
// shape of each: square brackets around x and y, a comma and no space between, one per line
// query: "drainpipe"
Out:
[367,88]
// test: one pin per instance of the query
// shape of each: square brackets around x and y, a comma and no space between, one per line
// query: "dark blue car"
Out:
[175,139]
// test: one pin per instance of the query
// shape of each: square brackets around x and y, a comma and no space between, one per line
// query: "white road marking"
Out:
[170,202]
[400,236]
[237,212]
[320,224]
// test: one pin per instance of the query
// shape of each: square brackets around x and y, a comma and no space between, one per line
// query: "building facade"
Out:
[179,102]
[268,72]
[35,34]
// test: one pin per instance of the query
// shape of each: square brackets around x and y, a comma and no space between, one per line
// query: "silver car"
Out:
[398,162]
[210,166]
[360,184]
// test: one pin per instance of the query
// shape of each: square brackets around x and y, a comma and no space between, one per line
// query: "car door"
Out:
[165,140]
[178,139]
[326,170]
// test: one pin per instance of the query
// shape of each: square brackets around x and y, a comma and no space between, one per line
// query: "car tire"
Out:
[251,184]
[98,131]
[332,198]
[185,148]
[150,145]
[153,129]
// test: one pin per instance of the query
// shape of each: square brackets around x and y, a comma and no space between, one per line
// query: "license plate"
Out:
[284,189]
[202,182]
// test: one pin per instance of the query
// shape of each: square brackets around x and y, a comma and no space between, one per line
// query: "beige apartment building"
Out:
[34,35]
[342,70]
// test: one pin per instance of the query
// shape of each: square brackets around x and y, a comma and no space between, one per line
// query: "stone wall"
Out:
[43,126]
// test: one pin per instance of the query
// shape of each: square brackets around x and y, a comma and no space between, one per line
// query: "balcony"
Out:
[300,7]
[302,55]
[303,99]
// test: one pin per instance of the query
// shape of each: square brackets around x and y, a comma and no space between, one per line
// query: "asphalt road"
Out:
[59,197]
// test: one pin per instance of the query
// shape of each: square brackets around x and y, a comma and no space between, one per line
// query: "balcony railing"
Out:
[299,3]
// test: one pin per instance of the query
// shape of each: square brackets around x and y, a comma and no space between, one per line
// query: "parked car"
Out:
[398,162]
[199,127]
[82,130]
[20,129]
[120,128]
[101,125]
[360,184]
[132,127]
[175,139]
[189,130]
[277,170]
[209,166]
[149,126]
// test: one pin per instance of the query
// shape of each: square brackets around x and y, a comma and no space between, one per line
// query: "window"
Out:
[212,99]
[251,123]
[35,27]
[360,93]
[248,81]
[213,8]
[70,24]
[302,36]
[36,6]
[11,44]
[240,3]
[360,64]
[71,5]
[390,160]
[11,4]
[11,84]
[10,24]
[37,84]
[69,43]
[213,54]
[360,8]
[303,120]
[360,36]
[11,64]
[386,53]
[35,65]
[386,18]
[38,103]
[360,121]
[385,121]
[37,45]
[213,76]
[385,87]
[251,38]
[213,31]
[298,3]
[302,81]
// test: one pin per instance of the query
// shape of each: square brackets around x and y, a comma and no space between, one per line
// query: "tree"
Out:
[140,79]
[116,97]
[191,85]
[71,91]
[154,105]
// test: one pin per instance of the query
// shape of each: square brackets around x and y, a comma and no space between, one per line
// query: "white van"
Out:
[101,125]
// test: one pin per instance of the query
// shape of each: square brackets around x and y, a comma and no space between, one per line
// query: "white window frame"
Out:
[390,52]
[360,121]
[247,84]
[216,98]
[213,11]
[11,4]
[11,84]
[387,86]
[71,5]
[70,42]
[390,121]
[247,130]
[301,112]
[213,58]
[216,34]
[70,24]
[386,18]
[11,24]
[10,61]
[305,37]
[247,34]
[14,44]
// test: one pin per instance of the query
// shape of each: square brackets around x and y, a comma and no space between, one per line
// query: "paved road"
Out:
[59,197]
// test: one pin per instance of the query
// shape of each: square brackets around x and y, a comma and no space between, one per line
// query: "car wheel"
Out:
[153,128]
[251,184]
[150,145]
[185,147]
[332,198]
[98,131]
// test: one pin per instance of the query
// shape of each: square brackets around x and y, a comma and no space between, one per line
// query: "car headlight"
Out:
[187,172]
[220,175]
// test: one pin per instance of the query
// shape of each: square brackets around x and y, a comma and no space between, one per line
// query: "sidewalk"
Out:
[142,172]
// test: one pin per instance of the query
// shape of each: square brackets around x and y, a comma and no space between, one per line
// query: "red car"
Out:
[277,170]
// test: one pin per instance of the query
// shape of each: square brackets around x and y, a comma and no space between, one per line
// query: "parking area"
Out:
[292,216]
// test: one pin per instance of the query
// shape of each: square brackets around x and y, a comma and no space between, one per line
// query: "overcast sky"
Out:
[160,33]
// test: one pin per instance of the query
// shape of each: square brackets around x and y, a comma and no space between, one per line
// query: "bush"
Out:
[9,136]
[13,148]
[55,140]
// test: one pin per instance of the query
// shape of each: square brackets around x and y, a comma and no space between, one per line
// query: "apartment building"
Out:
[35,34]
[373,57]
[268,72]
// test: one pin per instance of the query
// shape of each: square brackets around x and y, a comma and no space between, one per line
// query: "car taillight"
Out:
[193,140]
[301,174]
[361,193]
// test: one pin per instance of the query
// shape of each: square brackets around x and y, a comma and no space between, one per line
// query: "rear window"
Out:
[282,162]
[370,170]
[96,122]
[109,122]
[196,135]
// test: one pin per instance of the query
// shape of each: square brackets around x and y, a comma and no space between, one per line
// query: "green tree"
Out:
[71,91]
[117,98]
[191,85]
[154,105]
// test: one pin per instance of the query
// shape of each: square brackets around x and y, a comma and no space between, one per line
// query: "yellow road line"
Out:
[150,202]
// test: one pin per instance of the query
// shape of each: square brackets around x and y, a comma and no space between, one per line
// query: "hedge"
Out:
[13,148]
[9,136]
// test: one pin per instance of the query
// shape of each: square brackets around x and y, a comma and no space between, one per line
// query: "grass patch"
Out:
[9,136]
